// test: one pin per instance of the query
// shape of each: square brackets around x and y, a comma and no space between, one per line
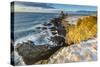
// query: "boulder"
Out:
[44,28]
[58,40]
[47,24]
[53,28]
[33,53]
[54,32]
[56,21]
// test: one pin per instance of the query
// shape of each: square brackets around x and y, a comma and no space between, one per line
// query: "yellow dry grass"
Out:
[85,28]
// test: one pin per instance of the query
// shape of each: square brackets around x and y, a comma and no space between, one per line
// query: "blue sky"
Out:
[67,7]
[31,6]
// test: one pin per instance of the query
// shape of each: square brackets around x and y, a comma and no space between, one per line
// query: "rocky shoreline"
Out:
[32,53]
[40,54]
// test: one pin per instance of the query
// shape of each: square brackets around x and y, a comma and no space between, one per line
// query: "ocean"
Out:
[26,27]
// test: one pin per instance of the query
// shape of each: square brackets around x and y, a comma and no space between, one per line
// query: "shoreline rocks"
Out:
[47,24]
[42,28]
[32,53]
[58,40]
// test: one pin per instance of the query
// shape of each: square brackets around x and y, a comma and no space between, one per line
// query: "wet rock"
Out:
[58,26]
[53,28]
[47,24]
[63,15]
[54,32]
[61,30]
[58,40]
[44,28]
[56,21]
[33,31]
[32,53]
[30,42]
[38,27]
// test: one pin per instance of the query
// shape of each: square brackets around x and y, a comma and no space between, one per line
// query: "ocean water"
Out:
[26,28]
[26,24]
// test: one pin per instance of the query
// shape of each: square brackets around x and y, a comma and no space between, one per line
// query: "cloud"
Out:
[49,8]
[43,5]
[20,8]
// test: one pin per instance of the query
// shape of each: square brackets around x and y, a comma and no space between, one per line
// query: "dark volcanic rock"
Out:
[32,53]
[54,32]
[53,29]
[42,28]
[30,42]
[61,30]
[38,27]
[62,15]
[58,25]
[60,41]
[47,24]
[56,21]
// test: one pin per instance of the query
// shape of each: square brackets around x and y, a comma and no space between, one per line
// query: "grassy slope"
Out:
[85,29]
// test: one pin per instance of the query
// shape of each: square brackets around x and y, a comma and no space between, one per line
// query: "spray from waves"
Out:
[33,27]
[17,58]
[36,38]
[24,24]
[30,28]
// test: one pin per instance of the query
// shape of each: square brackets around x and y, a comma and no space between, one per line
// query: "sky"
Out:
[49,7]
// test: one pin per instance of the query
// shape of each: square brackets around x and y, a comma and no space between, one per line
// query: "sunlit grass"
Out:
[85,29]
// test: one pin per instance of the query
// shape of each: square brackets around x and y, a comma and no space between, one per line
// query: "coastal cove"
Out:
[43,39]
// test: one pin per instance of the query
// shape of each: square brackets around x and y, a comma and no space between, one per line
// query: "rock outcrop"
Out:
[58,40]
[32,53]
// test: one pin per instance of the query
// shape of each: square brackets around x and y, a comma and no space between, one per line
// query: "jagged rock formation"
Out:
[67,38]
[81,38]
[32,53]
